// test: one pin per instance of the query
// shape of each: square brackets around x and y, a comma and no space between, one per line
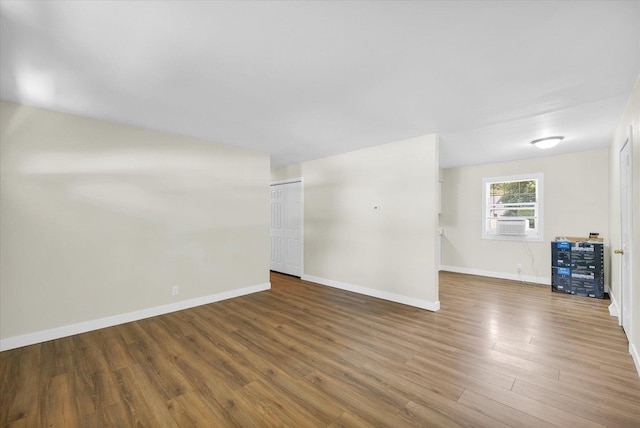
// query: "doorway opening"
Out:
[286,227]
[626,216]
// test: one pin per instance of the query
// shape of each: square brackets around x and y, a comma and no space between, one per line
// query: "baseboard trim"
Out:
[614,309]
[384,295]
[83,327]
[636,357]
[501,275]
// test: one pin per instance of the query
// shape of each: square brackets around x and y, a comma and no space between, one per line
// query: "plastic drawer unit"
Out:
[577,267]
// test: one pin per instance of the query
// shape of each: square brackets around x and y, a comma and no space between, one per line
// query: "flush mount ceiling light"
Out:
[547,143]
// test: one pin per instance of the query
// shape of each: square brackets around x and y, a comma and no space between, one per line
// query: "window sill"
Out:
[513,238]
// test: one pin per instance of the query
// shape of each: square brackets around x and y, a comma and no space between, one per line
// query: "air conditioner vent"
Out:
[511,226]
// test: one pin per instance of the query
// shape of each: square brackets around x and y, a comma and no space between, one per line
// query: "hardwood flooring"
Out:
[498,353]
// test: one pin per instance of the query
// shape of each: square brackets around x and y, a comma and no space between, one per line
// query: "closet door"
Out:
[286,228]
[277,228]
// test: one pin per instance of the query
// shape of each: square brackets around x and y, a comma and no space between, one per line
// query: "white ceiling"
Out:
[304,80]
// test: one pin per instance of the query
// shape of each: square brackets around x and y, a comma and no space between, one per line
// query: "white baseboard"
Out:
[636,357]
[83,327]
[614,309]
[512,276]
[385,295]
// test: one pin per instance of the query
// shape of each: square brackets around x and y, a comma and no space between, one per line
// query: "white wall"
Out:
[631,117]
[389,254]
[575,203]
[99,219]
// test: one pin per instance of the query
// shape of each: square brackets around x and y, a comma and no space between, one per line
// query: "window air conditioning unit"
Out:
[511,226]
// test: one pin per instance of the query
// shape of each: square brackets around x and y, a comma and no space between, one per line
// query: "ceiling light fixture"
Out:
[547,143]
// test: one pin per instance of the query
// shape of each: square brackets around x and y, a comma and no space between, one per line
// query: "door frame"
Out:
[301,181]
[626,288]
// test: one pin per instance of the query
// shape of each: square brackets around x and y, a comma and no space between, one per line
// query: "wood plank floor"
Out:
[498,353]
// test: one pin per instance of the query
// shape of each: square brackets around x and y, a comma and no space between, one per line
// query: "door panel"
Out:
[277,231]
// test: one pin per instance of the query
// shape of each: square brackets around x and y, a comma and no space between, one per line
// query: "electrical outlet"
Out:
[175,290]
[519,267]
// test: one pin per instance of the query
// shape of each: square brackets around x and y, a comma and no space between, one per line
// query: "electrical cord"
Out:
[533,259]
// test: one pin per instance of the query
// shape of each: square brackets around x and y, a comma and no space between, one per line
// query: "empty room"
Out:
[319,213]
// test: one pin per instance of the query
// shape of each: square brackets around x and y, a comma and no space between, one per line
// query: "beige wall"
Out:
[391,253]
[99,219]
[631,117]
[575,203]
[286,173]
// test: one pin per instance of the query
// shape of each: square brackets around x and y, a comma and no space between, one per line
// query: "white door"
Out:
[625,236]
[286,228]
[277,228]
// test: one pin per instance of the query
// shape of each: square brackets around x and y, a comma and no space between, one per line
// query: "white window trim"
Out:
[540,201]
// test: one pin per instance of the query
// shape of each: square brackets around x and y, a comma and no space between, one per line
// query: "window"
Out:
[513,207]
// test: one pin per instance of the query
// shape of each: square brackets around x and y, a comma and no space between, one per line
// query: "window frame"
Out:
[536,234]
